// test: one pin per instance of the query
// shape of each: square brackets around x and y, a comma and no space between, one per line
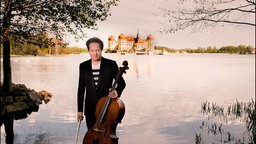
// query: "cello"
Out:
[109,112]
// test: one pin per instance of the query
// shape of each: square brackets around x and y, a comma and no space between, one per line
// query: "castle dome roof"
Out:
[111,38]
[121,36]
[150,37]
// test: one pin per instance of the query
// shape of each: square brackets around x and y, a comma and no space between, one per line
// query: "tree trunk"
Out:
[7,78]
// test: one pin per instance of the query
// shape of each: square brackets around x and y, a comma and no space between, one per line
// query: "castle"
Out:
[130,44]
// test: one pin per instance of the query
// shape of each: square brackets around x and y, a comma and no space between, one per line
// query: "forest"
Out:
[41,45]
[240,49]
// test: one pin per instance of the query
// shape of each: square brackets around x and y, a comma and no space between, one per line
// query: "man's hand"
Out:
[113,94]
[80,116]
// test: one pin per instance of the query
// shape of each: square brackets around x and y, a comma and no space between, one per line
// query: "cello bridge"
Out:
[98,130]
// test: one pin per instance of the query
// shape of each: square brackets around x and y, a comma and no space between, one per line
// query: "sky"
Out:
[132,16]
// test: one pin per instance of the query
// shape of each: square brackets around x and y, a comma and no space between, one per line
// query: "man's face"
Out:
[95,51]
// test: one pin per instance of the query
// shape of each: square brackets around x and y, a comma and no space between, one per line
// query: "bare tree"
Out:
[200,14]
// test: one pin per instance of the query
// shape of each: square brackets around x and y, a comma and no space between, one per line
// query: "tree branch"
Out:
[206,14]
[232,22]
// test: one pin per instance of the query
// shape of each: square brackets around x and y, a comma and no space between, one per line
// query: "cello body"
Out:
[105,132]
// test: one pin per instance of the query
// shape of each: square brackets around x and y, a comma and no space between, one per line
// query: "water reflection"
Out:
[163,94]
[137,71]
[141,68]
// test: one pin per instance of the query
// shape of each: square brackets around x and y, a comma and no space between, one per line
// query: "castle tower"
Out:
[112,44]
[150,42]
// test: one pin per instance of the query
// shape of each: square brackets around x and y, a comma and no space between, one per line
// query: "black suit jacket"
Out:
[88,95]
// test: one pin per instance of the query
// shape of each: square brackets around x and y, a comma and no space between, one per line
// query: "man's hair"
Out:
[94,40]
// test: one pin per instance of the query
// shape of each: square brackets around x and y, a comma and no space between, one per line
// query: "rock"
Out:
[22,101]
[35,96]
[46,96]
[17,110]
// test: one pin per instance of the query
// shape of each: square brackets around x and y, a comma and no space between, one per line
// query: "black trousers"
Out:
[8,126]
[90,121]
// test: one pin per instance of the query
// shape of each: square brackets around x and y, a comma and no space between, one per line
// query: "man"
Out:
[96,76]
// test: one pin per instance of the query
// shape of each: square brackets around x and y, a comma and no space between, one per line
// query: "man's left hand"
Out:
[113,94]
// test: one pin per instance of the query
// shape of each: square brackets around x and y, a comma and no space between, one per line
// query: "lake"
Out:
[163,95]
